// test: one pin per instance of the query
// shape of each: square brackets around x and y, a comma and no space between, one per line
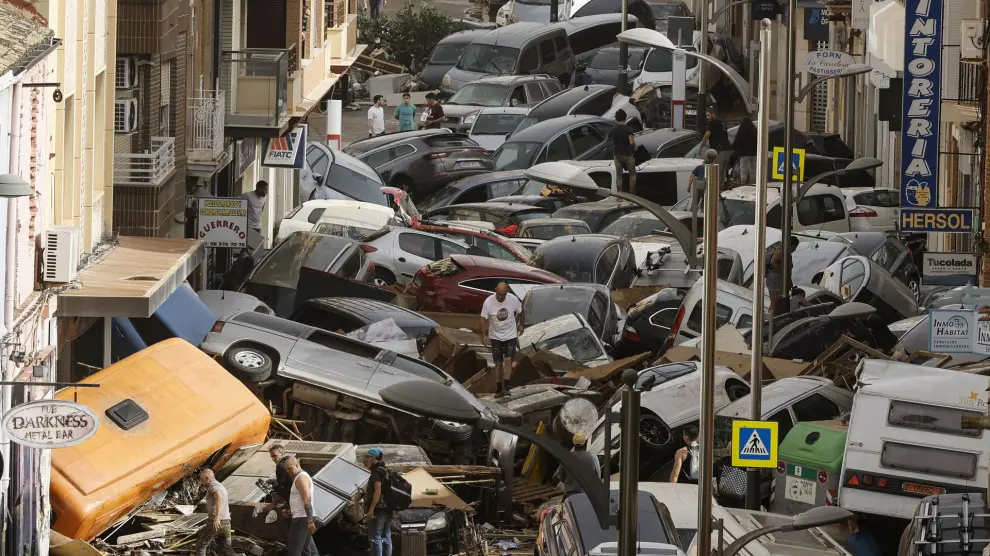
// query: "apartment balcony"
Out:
[257,83]
[208,151]
[151,168]
[972,86]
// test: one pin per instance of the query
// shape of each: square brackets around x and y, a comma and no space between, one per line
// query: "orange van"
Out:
[164,412]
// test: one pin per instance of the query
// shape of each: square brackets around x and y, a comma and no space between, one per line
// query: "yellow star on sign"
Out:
[973,396]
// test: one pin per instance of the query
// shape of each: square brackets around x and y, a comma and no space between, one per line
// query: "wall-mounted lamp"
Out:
[56,95]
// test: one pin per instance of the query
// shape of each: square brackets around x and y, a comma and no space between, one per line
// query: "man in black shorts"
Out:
[501,325]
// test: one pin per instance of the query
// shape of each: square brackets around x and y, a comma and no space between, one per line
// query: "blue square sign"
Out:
[754,444]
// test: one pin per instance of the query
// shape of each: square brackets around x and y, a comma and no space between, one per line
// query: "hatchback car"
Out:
[421,162]
[593,258]
[399,252]
[591,301]
[597,214]
[888,252]
[480,242]
[564,138]
[353,219]
[506,217]
[332,174]
[462,283]
[275,279]
[461,110]
[861,279]
[872,210]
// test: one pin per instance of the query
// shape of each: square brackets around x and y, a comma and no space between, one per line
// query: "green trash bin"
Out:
[808,468]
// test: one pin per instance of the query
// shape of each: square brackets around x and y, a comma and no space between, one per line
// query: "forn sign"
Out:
[50,424]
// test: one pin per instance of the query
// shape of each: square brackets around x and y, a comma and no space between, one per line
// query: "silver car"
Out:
[310,373]
[398,253]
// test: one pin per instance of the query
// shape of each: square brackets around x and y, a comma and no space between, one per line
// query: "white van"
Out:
[905,438]
[734,305]
[353,219]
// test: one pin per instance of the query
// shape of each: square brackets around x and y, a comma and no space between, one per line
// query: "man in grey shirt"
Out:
[217,527]
[586,458]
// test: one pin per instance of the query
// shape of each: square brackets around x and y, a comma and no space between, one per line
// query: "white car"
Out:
[491,126]
[354,219]
[307,216]
[872,210]
[569,336]
[823,208]
[658,66]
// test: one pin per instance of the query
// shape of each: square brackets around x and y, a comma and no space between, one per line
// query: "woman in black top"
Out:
[743,158]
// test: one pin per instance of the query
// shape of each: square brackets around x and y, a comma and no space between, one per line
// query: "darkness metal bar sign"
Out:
[922,98]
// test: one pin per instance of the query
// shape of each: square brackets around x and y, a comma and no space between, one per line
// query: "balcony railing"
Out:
[206,119]
[148,169]
[257,81]
[972,81]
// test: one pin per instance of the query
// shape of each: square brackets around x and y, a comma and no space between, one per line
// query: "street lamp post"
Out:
[815,517]
[786,194]
[851,70]
[629,460]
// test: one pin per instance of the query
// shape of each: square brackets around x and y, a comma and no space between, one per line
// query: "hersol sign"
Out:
[50,424]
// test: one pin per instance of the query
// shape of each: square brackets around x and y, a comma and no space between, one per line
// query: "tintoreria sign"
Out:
[50,424]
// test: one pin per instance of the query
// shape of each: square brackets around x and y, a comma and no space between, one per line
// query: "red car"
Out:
[492,244]
[461,283]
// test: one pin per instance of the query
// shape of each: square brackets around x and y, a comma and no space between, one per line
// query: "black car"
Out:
[598,214]
[478,188]
[591,301]
[668,142]
[549,203]
[446,53]
[592,100]
[649,321]
[348,314]
[505,217]
[421,162]
[564,138]
[593,258]
[603,67]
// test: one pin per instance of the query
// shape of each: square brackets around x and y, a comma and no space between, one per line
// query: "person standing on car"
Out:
[302,527]
[376,510]
[217,528]
[716,136]
[623,151]
[501,325]
[433,115]
[406,114]
[588,460]
[376,117]
[775,276]
[686,459]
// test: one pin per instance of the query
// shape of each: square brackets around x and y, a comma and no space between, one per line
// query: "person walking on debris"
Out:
[376,510]
[687,459]
[301,529]
[567,480]
[501,325]
[282,483]
[623,151]
[217,527]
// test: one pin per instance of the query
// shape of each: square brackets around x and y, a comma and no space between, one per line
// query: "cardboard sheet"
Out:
[422,481]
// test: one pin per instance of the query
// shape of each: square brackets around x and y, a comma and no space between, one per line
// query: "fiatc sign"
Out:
[921,109]
[50,424]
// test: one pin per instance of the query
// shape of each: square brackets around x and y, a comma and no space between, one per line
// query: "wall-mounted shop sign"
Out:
[936,220]
[50,424]
[287,151]
[826,62]
[920,109]
[948,269]
[223,222]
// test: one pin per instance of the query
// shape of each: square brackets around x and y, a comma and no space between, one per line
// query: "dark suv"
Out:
[495,91]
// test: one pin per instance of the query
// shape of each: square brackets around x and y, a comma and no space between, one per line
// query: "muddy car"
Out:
[592,301]
[285,363]
[807,338]
[861,279]
[569,336]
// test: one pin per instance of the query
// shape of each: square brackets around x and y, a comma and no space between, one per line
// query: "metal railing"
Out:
[150,168]
[336,12]
[972,81]
[257,83]
[206,119]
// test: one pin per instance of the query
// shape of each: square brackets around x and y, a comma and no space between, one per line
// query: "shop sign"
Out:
[287,151]
[50,424]
[951,331]
[816,24]
[826,62]
[948,269]
[936,220]
[223,222]
[921,107]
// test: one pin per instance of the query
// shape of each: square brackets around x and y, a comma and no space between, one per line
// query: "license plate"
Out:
[800,490]
[470,165]
[922,489]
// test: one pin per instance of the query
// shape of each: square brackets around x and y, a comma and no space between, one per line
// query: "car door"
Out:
[413,250]
[887,209]
[606,265]
[586,141]
[822,212]
[353,367]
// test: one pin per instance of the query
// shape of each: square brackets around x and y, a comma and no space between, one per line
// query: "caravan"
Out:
[906,441]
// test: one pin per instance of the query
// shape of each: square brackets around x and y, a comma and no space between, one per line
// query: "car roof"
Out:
[554,222]
[547,129]
[515,35]
[510,79]
[589,529]
[372,310]
[593,206]
[470,261]
[568,98]
[471,181]
[361,146]
[777,394]
[499,208]
[505,110]
[576,24]
[463,37]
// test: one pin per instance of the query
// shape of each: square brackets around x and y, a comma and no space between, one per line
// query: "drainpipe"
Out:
[15,153]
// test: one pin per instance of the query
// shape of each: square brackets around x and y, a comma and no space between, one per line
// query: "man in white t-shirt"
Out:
[256,204]
[376,117]
[501,325]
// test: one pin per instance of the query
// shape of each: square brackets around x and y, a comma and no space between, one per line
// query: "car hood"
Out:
[461,110]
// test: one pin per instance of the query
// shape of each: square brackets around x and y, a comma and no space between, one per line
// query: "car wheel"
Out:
[736,391]
[383,277]
[249,363]
[454,432]
[653,432]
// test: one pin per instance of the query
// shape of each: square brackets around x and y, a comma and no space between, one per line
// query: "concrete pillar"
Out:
[335,109]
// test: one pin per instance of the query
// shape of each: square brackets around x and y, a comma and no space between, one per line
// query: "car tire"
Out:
[249,363]
[453,432]
[383,277]
[654,433]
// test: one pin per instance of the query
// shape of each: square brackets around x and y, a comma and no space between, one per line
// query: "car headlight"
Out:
[436,522]
[470,118]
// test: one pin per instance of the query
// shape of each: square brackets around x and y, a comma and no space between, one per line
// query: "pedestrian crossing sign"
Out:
[797,160]
[754,444]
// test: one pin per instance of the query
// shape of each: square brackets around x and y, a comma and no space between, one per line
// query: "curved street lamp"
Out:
[815,517]
[851,70]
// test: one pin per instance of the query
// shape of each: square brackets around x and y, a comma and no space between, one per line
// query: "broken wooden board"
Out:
[840,361]
[605,373]
[774,369]
[157,532]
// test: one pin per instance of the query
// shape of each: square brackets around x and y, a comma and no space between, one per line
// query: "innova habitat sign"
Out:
[50,424]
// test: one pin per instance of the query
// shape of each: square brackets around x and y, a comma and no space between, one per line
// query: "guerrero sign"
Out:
[827,62]
[50,424]
[922,97]
[948,269]
[223,222]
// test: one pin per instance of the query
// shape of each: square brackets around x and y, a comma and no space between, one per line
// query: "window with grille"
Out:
[125,116]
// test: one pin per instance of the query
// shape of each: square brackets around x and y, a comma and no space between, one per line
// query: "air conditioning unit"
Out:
[61,254]
[970,39]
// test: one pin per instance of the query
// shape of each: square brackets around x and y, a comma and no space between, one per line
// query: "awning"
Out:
[134,279]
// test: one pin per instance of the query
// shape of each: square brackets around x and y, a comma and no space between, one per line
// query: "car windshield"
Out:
[663,11]
[516,156]
[545,303]
[496,124]
[350,231]
[447,53]
[281,267]
[608,59]
[661,60]
[528,121]
[651,378]
[550,231]
[488,58]
[633,227]
[579,345]
[479,94]
[737,212]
